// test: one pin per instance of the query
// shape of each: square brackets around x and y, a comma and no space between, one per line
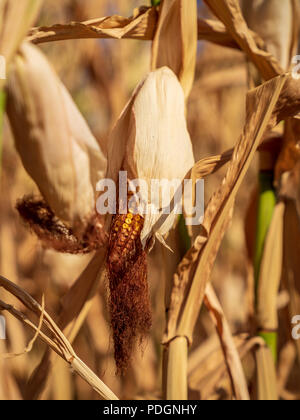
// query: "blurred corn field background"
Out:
[223,301]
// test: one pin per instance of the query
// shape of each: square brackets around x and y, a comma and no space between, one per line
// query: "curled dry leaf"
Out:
[230,351]
[276,22]
[229,12]
[140,26]
[175,41]
[54,142]
[289,102]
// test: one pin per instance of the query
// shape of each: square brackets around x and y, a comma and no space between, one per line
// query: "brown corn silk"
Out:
[129,295]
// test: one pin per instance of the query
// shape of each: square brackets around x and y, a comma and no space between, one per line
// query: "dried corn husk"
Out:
[151,141]
[53,140]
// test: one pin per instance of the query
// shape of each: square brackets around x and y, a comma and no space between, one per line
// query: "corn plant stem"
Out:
[266,205]
[185,240]
[2,110]
[175,355]
[177,369]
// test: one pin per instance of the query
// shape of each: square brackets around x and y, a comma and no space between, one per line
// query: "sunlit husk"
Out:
[151,141]
[54,142]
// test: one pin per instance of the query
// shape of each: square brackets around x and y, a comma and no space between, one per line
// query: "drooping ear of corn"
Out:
[150,142]
[54,142]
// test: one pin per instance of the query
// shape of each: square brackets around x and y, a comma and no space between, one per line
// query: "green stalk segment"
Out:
[271,339]
[266,205]
[155,2]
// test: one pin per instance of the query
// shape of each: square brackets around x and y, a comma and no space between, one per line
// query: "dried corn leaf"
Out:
[276,22]
[207,370]
[53,140]
[208,166]
[270,272]
[290,152]
[75,304]
[231,355]
[229,12]
[140,26]
[175,41]
[193,273]
[289,102]
[52,336]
